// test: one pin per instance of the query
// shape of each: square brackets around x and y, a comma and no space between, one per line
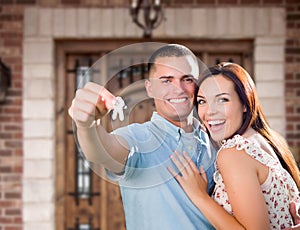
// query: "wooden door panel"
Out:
[81,210]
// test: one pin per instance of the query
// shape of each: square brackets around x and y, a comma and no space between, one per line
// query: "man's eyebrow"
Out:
[187,75]
[164,77]
[183,77]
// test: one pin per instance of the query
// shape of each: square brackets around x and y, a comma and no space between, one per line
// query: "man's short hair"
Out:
[170,50]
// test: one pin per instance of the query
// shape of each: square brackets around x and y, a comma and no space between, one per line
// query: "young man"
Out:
[138,155]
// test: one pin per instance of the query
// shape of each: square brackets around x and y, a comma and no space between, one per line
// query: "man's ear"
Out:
[148,87]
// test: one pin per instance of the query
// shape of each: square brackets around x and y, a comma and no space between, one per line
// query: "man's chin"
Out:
[182,117]
[179,113]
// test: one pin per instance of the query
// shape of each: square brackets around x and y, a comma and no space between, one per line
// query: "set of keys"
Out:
[119,106]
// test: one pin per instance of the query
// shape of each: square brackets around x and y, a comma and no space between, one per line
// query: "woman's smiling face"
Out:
[219,107]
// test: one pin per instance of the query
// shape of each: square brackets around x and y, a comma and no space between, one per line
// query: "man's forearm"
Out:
[101,147]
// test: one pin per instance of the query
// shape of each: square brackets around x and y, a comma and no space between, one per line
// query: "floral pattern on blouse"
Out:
[279,189]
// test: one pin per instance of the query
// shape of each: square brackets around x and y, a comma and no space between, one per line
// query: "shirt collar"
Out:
[170,128]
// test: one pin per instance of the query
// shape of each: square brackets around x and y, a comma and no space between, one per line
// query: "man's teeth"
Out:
[177,100]
[216,122]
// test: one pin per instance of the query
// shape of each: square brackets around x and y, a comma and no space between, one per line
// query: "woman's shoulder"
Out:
[239,142]
[234,158]
[235,146]
[231,148]
[254,146]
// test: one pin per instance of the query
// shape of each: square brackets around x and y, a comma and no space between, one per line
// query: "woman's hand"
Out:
[194,183]
[191,179]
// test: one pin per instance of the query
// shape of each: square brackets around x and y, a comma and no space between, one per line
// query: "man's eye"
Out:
[189,80]
[166,81]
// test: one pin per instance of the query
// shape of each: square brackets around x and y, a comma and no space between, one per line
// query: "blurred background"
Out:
[46,48]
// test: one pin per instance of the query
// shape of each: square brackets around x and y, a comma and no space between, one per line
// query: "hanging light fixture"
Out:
[152,17]
[5,76]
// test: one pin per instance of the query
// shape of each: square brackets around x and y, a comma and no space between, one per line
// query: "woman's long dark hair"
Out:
[254,116]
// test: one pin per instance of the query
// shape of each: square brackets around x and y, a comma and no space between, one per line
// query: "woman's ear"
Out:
[245,109]
[148,88]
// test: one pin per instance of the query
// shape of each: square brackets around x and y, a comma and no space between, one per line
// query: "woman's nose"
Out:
[211,109]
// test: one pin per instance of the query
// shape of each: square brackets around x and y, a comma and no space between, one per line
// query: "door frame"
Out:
[66,46]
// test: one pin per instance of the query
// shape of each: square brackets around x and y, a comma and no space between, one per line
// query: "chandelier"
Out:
[152,17]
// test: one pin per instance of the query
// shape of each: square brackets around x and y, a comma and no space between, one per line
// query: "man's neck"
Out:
[188,128]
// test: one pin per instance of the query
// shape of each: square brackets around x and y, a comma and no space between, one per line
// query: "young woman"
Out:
[256,175]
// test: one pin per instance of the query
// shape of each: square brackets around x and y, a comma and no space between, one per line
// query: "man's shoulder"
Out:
[134,129]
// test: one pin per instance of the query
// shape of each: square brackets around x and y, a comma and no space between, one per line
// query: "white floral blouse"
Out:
[279,189]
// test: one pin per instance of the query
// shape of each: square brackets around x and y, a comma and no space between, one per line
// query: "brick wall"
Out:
[11,17]
[293,77]
[11,29]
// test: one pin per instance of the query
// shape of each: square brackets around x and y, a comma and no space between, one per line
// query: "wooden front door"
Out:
[84,200]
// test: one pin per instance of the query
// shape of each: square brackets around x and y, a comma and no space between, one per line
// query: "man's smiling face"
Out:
[172,84]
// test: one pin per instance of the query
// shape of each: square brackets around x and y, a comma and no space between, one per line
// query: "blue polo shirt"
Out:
[152,198]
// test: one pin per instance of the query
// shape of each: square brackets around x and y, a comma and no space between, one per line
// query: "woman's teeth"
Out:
[216,122]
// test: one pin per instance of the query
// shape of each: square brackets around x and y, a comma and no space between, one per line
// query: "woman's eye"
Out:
[222,100]
[201,102]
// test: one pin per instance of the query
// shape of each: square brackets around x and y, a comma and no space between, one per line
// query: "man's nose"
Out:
[178,85]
